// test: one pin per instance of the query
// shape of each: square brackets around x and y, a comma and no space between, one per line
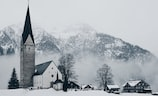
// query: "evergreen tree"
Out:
[13,82]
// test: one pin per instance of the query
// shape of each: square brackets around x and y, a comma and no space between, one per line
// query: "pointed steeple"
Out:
[27,28]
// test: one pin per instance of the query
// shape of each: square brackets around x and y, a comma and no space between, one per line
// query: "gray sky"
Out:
[135,21]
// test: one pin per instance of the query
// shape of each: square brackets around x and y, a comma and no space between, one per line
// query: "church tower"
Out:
[27,54]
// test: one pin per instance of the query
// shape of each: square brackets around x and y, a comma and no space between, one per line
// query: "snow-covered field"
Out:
[52,92]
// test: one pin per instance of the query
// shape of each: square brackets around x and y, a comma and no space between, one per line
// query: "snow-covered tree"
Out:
[104,76]
[13,82]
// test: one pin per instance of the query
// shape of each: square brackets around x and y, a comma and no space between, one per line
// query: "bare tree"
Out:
[104,76]
[66,66]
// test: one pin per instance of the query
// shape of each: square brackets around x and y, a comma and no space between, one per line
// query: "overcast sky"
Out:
[134,21]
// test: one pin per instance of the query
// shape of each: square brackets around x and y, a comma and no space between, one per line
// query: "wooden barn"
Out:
[138,86]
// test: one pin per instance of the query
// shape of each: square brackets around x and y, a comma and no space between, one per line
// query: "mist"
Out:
[86,66]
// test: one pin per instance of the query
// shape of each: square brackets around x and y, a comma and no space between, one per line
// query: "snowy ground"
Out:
[52,92]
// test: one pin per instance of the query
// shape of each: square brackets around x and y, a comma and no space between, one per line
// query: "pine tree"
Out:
[13,82]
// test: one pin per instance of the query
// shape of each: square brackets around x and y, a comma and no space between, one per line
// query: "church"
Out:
[42,75]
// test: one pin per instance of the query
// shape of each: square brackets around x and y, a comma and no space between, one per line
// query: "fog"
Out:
[86,66]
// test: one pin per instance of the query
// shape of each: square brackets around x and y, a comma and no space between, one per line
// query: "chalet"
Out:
[87,87]
[139,86]
[45,74]
[112,88]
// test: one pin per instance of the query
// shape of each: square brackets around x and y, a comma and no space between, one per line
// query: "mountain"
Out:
[83,39]
[87,40]
[10,38]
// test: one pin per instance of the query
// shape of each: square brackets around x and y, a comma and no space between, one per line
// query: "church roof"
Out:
[40,69]
[27,28]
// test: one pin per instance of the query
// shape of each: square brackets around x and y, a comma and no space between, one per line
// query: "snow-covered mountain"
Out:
[10,37]
[87,40]
[83,39]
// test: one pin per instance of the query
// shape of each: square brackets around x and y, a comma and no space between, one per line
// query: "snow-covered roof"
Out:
[132,82]
[113,86]
[83,86]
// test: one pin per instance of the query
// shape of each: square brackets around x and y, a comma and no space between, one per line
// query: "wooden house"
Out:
[87,87]
[113,88]
[139,86]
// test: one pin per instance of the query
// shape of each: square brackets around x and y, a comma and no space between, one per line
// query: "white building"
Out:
[58,84]
[45,74]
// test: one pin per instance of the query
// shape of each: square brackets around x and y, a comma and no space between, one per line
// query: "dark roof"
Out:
[72,84]
[39,69]
[27,28]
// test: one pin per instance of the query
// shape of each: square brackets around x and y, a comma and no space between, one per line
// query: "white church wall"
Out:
[50,74]
[37,81]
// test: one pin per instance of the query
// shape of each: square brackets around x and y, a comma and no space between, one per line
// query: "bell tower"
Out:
[27,54]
